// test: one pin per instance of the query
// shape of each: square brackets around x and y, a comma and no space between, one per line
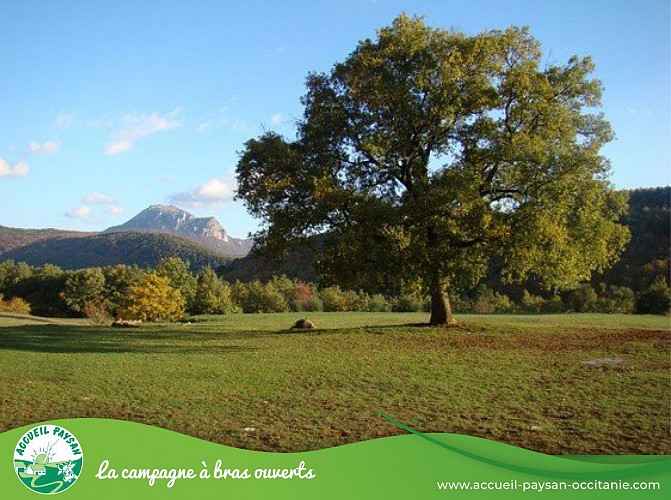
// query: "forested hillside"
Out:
[11,237]
[133,248]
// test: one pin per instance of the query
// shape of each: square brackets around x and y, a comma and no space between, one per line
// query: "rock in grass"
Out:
[124,323]
[303,324]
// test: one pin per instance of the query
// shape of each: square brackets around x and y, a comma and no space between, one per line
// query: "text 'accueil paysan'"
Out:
[48,459]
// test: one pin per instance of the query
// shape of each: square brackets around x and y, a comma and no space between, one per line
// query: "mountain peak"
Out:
[165,208]
[170,219]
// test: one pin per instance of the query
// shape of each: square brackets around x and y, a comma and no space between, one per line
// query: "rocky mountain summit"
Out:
[168,219]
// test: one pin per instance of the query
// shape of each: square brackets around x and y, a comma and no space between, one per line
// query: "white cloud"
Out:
[212,193]
[64,120]
[118,148]
[165,179]
[85,211]
[47,147]
[137,125]
[279,50]
[79,212]
[204,127]
[241,127]
[98,199]
[17,170]
[277,119]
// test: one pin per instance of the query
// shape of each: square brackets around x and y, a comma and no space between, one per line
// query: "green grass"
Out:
[514,379]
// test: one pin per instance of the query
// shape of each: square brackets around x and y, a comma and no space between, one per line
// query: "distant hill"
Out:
[299,264]
[103,249]
[168,219]
[11,237]
[647,254]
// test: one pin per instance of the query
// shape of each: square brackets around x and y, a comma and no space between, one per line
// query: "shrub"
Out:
[153,299]
[457,303]
[616,299]
[553,305]
[212,295]
[583,299]
[488,302]
[305,298]
[256,297]
[97,312]
[313,304]
[14,305]
[655,300]
[408,303]
[531,303]
[337,300]
[284,286]
[484,304]
[379,303]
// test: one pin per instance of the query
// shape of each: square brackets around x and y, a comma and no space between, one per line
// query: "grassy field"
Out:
[521,380]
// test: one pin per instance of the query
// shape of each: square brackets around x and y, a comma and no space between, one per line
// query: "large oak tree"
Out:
[427,152]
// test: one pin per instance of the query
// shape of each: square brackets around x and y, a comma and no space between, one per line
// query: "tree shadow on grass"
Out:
[66,339]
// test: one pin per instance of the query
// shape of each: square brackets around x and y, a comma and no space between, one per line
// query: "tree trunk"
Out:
[441,312]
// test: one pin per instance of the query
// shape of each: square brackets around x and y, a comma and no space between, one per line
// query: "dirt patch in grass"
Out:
[582,340]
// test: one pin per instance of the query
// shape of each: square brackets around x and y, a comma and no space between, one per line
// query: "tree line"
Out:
[170,292]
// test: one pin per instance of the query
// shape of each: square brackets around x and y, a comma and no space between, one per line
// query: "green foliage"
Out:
[337,300]
[256,297]
[531,303]
[646,258]
[86,285]
[583,299]
[488,302]
[428,151]
[553,305]
[655,300]
[118,280]
[616,299]
[378,303]
[180,277]
[408,303]
[313,304]
[42,288]
[14,305]
[212,295]
[153,299]
[12,273]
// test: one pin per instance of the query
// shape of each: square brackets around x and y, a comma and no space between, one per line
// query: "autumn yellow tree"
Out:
[153,299]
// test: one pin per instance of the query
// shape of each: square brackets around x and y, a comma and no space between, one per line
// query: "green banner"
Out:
[95,458]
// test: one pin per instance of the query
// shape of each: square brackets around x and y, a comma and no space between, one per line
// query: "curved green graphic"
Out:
[609,470]
[136,461]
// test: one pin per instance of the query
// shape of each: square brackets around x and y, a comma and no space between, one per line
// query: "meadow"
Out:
[558,384]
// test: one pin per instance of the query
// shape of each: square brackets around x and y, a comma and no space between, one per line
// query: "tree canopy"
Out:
[428,151]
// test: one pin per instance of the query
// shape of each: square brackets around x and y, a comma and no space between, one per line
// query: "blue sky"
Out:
[107,107]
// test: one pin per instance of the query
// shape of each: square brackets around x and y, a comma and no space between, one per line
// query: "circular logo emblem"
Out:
[48,459]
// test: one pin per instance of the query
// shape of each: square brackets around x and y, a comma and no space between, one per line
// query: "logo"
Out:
[48,459]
